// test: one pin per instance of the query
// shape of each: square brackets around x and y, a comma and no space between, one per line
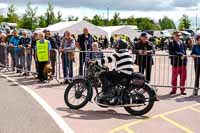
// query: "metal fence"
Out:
[161,73]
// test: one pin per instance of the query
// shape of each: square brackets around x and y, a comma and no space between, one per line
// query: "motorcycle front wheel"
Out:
[148,96]
[77,95]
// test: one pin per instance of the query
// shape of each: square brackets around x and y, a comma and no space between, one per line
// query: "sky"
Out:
[154,9]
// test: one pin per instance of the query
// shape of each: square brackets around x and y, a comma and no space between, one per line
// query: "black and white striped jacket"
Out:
[123,61]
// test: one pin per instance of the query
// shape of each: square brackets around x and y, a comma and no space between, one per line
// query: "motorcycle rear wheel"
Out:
[148,107]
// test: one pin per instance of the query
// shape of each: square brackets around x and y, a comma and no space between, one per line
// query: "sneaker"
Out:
[18,71]
[25,74]
[195,92]
[172,93]
[183,93]
[45,81]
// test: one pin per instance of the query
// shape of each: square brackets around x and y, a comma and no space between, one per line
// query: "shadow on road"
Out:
[190,98]
[50,85]
[97,115]
[168,97]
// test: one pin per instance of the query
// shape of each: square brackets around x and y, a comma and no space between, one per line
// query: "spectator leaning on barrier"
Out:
[196,55]
[33,45]
[54,46]
[67,48]
[25,42]
[95,53]
[15,51]
[144,51]
[177,51]
[84,43]
[2,58]
[43,48]
[2,50]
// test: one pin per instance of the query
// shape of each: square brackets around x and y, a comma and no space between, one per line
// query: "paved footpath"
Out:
[173,114]
[20,113]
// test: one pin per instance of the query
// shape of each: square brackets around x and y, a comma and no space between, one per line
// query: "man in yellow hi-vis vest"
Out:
[42,52]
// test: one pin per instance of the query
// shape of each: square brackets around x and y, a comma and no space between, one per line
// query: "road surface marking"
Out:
[148,119]
[187,130]
[196,110]
[128,130]
[59,121]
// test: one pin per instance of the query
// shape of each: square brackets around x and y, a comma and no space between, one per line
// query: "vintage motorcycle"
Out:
[135,95]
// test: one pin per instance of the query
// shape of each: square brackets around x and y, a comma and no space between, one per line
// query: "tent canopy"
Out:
[76,27]
[121,30]
[128,31]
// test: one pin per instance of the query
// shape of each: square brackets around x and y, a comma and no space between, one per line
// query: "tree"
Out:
[131,21]
[42,22]
[72,18]
[49,15]
[11,14]
[1,18]
[167,23]
[116,19]
[185,23]
[146,24]
[29,20]
[59,16]
[98,21]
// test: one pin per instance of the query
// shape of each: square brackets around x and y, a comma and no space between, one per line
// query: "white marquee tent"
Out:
[127,30]
[76,27]
[130,31]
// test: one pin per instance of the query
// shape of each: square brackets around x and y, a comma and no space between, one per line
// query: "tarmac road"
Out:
[20,113]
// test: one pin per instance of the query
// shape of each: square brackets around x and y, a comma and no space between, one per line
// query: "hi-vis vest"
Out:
[42,51]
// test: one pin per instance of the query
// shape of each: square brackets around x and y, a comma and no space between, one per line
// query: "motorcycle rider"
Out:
[124,68]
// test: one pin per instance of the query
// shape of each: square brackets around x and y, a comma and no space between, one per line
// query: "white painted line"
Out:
[59,121]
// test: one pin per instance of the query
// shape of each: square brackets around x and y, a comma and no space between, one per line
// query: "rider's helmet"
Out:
[121,45]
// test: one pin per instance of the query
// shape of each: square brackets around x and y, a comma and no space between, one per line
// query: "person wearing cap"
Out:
[144,51]
[177,51]
[54,47]
[123,68]
[196,55]
[84,43]
[25,43]
[15,50]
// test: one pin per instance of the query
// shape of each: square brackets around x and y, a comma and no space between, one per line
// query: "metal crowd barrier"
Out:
[161,73]
[9,57]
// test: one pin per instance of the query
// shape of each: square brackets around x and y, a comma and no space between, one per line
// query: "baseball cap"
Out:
[144,34]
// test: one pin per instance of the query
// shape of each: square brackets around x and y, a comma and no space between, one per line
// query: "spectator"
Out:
[111,41]
[58,39]
[189,43]
[84,43]
[105,42]
[25,42]
[43,48]
[54,46]
[177,50]
[67,46]
[144,50]
[2,50]
[33,46]
[196,55]
[96,53]
[15,51]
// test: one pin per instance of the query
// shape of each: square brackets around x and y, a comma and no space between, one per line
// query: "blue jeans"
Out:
[28,61]
[67,66]
[20,60]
